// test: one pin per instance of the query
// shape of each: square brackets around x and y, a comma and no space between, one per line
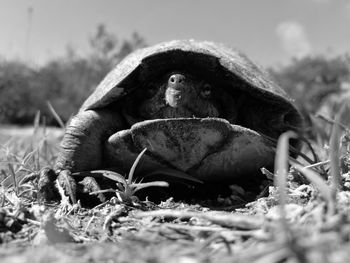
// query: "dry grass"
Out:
[304,218]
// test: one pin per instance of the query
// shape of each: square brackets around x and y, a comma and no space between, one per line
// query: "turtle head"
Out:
[181,94]
[183,89]
[188,95]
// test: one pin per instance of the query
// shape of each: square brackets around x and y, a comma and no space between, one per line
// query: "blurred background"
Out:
[58,51]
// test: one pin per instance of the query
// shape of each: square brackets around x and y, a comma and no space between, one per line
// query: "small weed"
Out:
[126,189]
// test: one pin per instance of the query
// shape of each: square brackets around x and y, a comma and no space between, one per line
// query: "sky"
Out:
[270,32]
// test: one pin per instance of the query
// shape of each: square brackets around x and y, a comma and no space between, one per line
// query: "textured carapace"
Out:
[258,102]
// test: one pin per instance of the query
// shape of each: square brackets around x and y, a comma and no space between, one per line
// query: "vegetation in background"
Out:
[311,79]
[65,82]
[319,85]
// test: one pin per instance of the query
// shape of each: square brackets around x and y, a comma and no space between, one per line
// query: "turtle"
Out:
[199,107]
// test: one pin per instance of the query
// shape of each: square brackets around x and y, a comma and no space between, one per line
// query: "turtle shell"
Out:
[206,58]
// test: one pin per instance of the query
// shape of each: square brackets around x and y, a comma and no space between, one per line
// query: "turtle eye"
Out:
[205,91]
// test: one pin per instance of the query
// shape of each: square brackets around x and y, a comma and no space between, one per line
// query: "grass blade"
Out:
[36,123]
[133,167]
[281,172]
[168,172]
[55,115]
[138,187]
[281,163]
[334,148]
[317,181]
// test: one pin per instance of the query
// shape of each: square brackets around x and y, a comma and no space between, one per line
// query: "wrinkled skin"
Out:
[175,95]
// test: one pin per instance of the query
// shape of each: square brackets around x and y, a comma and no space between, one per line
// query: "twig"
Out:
[225,220]
[317,164]
[257,234]
[89,223]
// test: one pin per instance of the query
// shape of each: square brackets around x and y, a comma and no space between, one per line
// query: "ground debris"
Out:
[219,230]
[224,219]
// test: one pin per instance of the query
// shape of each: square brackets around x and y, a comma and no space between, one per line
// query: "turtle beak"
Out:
[176,84]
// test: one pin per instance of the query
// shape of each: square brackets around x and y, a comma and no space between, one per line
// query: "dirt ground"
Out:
[302,224]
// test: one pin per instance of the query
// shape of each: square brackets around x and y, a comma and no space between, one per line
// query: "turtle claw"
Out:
[66,182]
[47,190]
[50,190]
[90,185]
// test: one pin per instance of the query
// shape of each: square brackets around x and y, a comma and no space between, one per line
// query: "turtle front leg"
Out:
[81,149]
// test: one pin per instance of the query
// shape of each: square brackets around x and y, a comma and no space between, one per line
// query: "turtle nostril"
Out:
[176,78]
